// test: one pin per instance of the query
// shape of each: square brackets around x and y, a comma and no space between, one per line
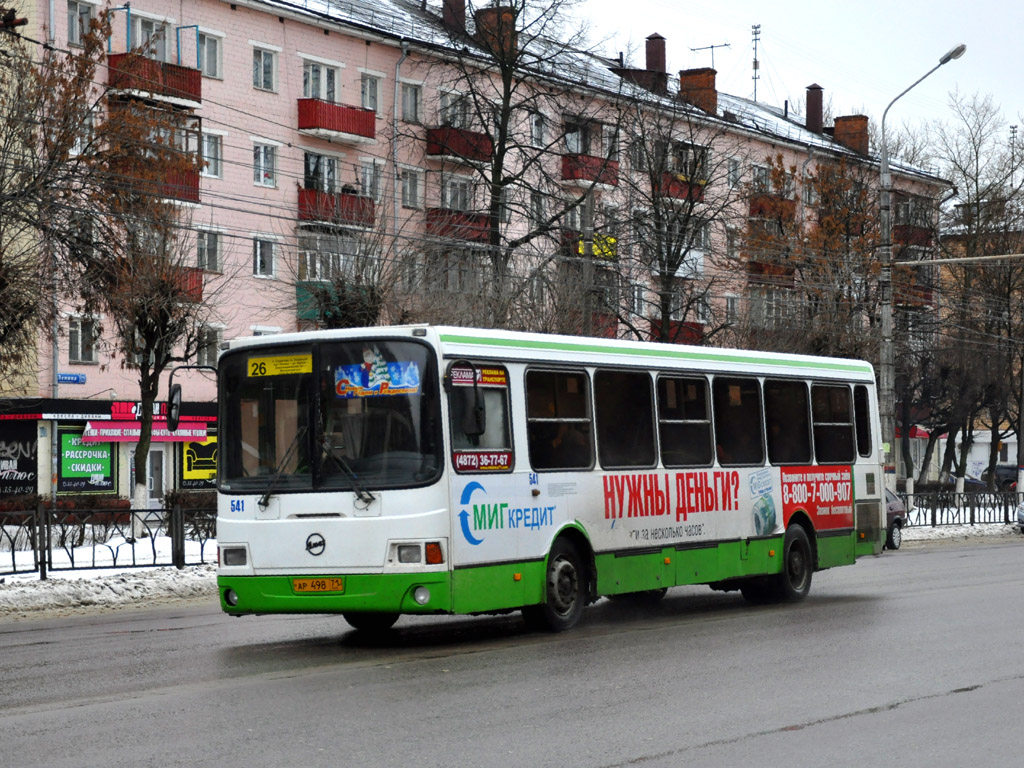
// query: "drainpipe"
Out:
[394,147]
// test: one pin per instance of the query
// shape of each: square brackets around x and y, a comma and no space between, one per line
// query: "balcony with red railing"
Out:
[677,331]
[338,208]
[769,206]
[189,281]
[459,144]
[180,185]
[590,170]
[678,187]
[160,79]
[912,234]
[462,225]
[337,122]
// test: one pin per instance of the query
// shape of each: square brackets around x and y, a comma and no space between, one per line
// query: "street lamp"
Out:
[887,385]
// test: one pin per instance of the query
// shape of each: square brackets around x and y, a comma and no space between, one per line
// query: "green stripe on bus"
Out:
[710,356]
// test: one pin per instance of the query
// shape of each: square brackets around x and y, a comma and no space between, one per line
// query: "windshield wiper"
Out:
[279,469]
[327,449]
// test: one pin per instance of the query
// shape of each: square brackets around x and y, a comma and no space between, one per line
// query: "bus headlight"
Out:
[230,597]
[233,556]
[409,553]
[421,595]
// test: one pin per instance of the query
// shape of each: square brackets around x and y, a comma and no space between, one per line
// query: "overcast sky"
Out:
[863,53]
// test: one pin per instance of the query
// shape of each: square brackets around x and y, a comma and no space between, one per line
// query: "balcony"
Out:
[678,187]
[462,225]
[572,244]
[458,144]
[189,282]
[590,170]
[160,79]
[337,208]
[912,234]
[337,122]
[180,185]
[768,206]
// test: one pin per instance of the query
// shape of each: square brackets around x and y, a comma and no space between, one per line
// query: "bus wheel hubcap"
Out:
[564,586]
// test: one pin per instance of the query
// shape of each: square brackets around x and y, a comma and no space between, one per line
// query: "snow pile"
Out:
[960,532]
[69,590]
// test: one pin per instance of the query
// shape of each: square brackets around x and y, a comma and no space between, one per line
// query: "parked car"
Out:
[896,518]
[1020,517]
[1006,477]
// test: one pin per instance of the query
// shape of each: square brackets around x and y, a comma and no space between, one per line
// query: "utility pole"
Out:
[756,29]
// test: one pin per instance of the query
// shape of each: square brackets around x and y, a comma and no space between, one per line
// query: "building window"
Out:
[369,86]
[537,212]
[369,179]
[412,99]
[577,137]
[762,179]
[410,188]
[263,257]
[328,256]
[152,37]
[610,136]
[208,250]
[209,55]
[319,81]
[263,66]
[320,172]
[732,243]
[454,110]
[537,129]
[213,150]
[86,133]
[264,161]
[209,346]
[734,173]
[82,335]
[638,295]
[456,193]
[79,16]
[732,309]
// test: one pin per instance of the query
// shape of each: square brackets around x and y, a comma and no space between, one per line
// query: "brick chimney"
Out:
[814,110]
[453,15]
[852,132]
[697,87]
[655,53]
[496,30]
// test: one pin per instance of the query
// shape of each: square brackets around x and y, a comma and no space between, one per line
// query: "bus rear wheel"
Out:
[371,622]
[794,581]
[565,590]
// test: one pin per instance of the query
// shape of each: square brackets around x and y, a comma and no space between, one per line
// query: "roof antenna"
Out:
[712,49]
[756,29]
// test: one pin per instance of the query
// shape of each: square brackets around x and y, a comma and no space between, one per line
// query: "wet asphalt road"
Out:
[910,659]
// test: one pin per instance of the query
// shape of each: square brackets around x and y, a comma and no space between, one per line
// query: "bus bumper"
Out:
[386,593]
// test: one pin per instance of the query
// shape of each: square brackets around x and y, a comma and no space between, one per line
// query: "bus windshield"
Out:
[337,415]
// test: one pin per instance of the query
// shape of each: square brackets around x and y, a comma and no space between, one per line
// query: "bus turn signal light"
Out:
[434,555]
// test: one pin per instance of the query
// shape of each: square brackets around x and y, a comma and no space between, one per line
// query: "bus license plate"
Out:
[322,584]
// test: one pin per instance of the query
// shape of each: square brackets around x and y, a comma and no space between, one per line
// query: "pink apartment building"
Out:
[336,139]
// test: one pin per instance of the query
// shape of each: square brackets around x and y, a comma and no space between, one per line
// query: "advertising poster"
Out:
[199,464]
[18,458]
[84,467]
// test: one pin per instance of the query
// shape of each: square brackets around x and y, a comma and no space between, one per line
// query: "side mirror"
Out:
[174,407]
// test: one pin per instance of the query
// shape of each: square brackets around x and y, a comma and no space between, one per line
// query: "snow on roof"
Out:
[419,21]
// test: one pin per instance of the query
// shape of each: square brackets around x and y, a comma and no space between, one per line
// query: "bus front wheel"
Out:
[565,590]
[794,582]
[371,622]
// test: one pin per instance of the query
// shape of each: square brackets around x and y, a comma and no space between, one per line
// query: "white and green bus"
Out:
[438,470]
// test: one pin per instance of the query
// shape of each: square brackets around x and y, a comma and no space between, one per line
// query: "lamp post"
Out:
[886,367]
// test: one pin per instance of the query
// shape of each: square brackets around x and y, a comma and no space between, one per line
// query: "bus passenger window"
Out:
[684,422]
[862,414]
[833,424]
[739,433]
[624,411]
[787,418]
[559,433]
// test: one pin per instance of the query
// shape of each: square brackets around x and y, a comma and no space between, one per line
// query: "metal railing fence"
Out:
[41,539]
[969,508]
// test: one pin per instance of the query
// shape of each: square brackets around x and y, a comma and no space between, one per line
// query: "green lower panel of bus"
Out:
[355,592]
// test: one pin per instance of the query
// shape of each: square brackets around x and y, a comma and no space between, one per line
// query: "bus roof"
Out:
[455,341]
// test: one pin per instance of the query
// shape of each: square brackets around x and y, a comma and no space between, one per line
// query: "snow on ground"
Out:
[65,592]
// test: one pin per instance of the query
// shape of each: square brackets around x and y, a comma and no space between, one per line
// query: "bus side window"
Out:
[739,431]
[833,424]
[559,434]
[624,412]
[862,415]
[788,422]
[684,422]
